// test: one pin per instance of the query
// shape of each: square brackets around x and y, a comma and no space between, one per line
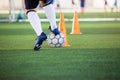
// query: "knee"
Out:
[30,10]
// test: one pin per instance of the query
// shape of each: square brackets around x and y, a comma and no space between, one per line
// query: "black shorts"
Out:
[31,4]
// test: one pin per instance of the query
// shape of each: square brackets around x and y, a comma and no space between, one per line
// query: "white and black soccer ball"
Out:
[55,40]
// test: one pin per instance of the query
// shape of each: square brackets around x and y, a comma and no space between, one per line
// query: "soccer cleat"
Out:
[39,41]
[55,31]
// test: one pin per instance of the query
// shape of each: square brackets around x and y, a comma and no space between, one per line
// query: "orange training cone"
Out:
[62,28]
[75,24]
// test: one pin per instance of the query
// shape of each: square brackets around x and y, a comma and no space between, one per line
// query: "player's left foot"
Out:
[55,31]
[39,41]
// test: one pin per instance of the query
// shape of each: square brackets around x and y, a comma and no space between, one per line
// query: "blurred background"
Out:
[13,7]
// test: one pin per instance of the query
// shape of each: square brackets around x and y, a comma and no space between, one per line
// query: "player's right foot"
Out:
[39,41]
[55,31]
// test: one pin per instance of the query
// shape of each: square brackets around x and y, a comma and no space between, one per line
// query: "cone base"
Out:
[76,33]
[66,46]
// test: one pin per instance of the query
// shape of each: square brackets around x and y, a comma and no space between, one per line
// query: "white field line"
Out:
[66,20]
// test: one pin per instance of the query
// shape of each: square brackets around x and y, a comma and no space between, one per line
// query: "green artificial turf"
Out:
[94,55]
[70,15]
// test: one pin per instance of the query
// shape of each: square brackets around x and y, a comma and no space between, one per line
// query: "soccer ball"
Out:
[55,40]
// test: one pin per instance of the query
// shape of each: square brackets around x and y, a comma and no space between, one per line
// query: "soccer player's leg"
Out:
[51,15]
[39,41]
[35,22]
